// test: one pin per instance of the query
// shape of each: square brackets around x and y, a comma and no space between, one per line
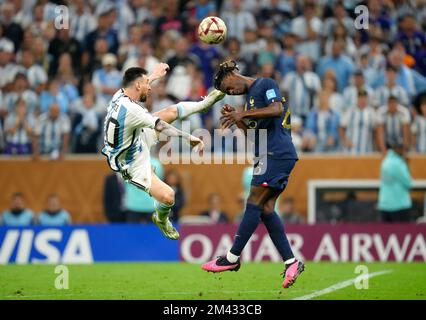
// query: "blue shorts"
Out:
[273,172]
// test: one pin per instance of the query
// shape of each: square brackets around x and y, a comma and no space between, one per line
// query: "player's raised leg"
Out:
[184,109]
[276,230]
[165,199]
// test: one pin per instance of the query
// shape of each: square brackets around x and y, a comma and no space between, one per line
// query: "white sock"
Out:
[231,257]
[290,261]
[186,108]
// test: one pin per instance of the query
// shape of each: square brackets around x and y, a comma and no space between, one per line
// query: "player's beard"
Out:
[142,97]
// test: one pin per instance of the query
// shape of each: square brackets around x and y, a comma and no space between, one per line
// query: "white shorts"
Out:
[140,169]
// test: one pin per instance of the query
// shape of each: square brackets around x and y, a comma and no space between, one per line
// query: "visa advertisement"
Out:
[86,244]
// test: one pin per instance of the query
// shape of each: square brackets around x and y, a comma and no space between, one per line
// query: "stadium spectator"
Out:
[113,198]
[54,95]
[418,127]
[301,87]
[18,129]
[51,133]
[77,106]
[182,56]
[209,57]
[139,204]
[339,18]
[54,215]
[82,21]
[202,9]
[395,183]
[170,18]
[341,64]
[286,60]
[67,77]
[86,129]
[94,61]
[307,28]
[409,79]
[322,124]
[11,29]
[18,215]
[329,87]
[371,74]
[106,80]
[412,38]
[288,213]
[373,51]
[8,68]
[215,209]
[390,87]
[20,89]
[393,121]
[358,127]
[173,179]
[22,15]
[105,31]
[340,33]
[268,55]
[130,48]
[64,43]
[36,75]
[233,52]
[180,81]
[39,50]
[350,94]
[144,58]
[237,20]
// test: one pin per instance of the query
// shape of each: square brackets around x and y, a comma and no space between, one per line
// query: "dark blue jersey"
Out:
[262,93]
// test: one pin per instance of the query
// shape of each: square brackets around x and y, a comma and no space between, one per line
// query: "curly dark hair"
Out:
[225,69]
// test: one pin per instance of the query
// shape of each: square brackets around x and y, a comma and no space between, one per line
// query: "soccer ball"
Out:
[212,30]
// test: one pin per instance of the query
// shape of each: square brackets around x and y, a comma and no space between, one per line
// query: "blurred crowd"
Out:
[350,87]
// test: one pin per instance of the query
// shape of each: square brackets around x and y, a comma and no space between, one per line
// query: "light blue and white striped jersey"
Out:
[419,129]
[122,127]
[301,91]
[20,136]
[393,122]
[350,96]
[51,132]
[381,95]
[359,125]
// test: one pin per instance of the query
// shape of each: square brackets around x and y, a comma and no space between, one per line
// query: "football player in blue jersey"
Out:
[275,158]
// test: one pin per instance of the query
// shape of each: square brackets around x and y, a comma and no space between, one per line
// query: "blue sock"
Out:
[248,225]
[273,223]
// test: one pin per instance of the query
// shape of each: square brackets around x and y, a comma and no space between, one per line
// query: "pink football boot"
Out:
[221,264]
[291,273]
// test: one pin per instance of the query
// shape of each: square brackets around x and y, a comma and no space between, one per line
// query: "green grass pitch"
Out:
[184,281]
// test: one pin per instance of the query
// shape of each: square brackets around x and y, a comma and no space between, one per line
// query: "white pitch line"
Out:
[342,285]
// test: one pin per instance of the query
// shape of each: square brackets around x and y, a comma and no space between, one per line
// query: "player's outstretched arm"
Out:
[160,70]
[170,131]
[275,109]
